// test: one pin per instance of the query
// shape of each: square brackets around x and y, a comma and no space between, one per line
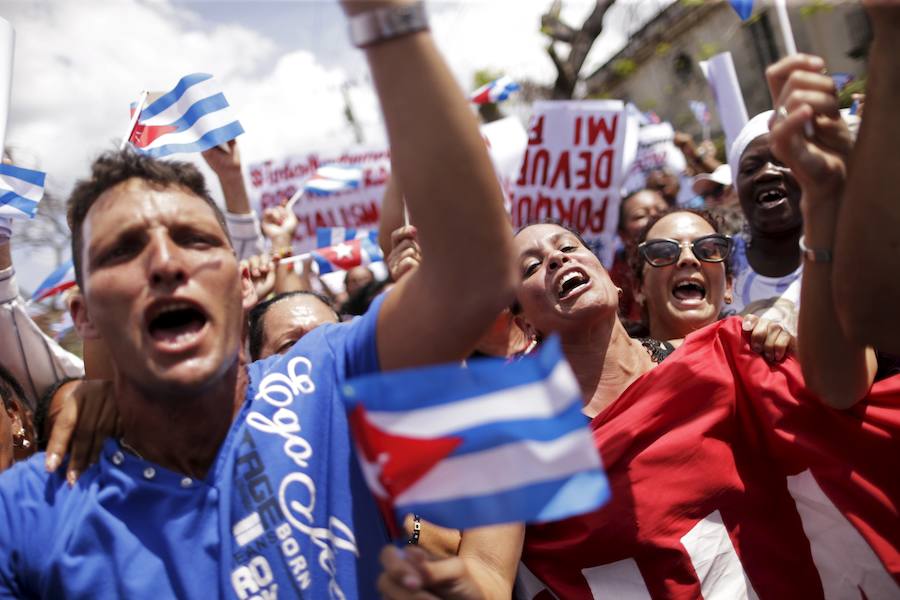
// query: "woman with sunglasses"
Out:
[681,263]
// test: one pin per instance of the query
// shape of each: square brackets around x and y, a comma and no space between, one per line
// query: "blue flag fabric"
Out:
[478,445]
[744,8]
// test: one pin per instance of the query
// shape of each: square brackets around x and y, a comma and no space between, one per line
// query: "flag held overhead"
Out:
[478,445]
[192,117]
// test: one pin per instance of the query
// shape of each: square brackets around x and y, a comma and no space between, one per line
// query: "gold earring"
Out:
[20,438]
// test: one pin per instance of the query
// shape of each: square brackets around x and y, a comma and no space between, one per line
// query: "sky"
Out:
[282,65]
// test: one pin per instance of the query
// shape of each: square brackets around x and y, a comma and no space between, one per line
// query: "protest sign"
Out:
[723,81]
[272,183]
[571,170]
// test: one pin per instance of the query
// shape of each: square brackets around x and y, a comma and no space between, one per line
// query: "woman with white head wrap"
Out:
[767,259]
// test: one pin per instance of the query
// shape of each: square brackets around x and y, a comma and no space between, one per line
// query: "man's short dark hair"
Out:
[114,167]
[258,313]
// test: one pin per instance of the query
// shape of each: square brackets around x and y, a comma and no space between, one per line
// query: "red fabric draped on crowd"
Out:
[722,462]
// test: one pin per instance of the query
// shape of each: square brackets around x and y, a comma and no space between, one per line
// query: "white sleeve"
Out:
[34,359]
[245,233]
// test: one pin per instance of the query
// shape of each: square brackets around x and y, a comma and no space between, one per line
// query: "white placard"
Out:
[571,170]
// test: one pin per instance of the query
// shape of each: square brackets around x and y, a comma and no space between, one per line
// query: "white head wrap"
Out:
[755,127]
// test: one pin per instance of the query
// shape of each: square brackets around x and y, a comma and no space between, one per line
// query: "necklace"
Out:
[125,445]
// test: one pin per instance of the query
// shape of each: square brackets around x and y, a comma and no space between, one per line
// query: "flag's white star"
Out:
[343,251]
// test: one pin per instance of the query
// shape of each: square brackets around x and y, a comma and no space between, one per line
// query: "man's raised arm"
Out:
[437,313]
[867,241]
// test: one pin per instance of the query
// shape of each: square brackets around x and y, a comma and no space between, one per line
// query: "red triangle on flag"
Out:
[144,135]
[395,462]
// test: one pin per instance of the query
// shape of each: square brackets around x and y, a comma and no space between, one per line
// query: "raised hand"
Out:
[802,94]
[278,224]
[262,274]
[224,164]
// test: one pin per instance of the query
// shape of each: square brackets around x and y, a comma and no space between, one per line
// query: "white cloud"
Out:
[79,64]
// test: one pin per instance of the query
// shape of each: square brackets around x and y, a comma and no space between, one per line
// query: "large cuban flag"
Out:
[20,191]
[478,445]
[193,117]
[57,282]
[341,249]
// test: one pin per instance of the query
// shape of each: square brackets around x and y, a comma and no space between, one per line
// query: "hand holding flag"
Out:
[468,447]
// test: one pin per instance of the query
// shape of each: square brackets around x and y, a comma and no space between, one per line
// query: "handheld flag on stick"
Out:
[192,117]
[478,445]
[57,282]
[495,91]
[20,191]
[345,249]
[333,178]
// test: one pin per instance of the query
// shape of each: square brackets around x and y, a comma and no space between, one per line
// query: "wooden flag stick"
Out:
[405,212]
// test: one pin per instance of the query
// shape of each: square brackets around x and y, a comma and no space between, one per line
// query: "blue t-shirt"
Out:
[283,513]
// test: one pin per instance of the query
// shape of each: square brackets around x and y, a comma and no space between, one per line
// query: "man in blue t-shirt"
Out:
[239,481]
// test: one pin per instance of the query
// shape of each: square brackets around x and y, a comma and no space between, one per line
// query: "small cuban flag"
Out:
[192,117]
[330,179]
[701,112]
[20,191]
[61,279]
[744,8]
[495,91]
[342,249]
[478,445]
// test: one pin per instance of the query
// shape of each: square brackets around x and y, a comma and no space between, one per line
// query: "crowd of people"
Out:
[735,363]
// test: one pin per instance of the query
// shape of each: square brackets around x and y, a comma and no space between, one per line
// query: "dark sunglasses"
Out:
[712,248]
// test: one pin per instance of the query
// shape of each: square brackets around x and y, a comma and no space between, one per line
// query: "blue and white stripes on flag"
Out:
[478,445]
[332,236]
[20,191]
[495,91]
[330,179]
[193,117]
[744,8]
